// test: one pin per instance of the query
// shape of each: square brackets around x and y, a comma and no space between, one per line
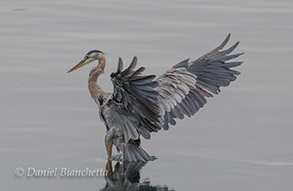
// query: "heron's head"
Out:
[90,57]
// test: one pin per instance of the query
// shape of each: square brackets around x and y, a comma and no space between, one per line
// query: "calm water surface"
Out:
[241,140]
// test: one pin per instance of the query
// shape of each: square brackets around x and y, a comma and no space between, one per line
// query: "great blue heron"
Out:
[141,104]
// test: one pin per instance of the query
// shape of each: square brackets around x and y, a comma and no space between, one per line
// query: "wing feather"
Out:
[182,90]
[195,81]
[136,94]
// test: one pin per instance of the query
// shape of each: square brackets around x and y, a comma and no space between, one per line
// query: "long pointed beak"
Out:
[82,63]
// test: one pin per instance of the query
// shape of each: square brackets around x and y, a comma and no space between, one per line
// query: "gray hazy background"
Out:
[241,140]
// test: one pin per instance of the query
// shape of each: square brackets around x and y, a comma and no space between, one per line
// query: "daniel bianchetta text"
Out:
[59,172]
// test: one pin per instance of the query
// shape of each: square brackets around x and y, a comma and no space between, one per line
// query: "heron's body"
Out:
[142,104]
[107,108]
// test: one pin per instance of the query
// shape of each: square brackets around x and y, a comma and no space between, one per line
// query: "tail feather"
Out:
[132,152]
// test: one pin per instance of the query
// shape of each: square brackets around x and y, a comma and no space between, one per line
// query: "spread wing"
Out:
[136,95]
[184,88]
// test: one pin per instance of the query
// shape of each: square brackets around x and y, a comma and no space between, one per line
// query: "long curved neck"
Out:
[95,90]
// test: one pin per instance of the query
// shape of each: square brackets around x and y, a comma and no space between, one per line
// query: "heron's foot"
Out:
[118,157]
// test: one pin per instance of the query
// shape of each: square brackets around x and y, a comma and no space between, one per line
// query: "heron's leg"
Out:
[118,150]
[109,144]
[109,167]
[109,149]
[119,142]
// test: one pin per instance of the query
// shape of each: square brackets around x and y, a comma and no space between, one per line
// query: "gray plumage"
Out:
[141,104]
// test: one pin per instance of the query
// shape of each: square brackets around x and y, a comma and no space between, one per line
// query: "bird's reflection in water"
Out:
[126,176]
